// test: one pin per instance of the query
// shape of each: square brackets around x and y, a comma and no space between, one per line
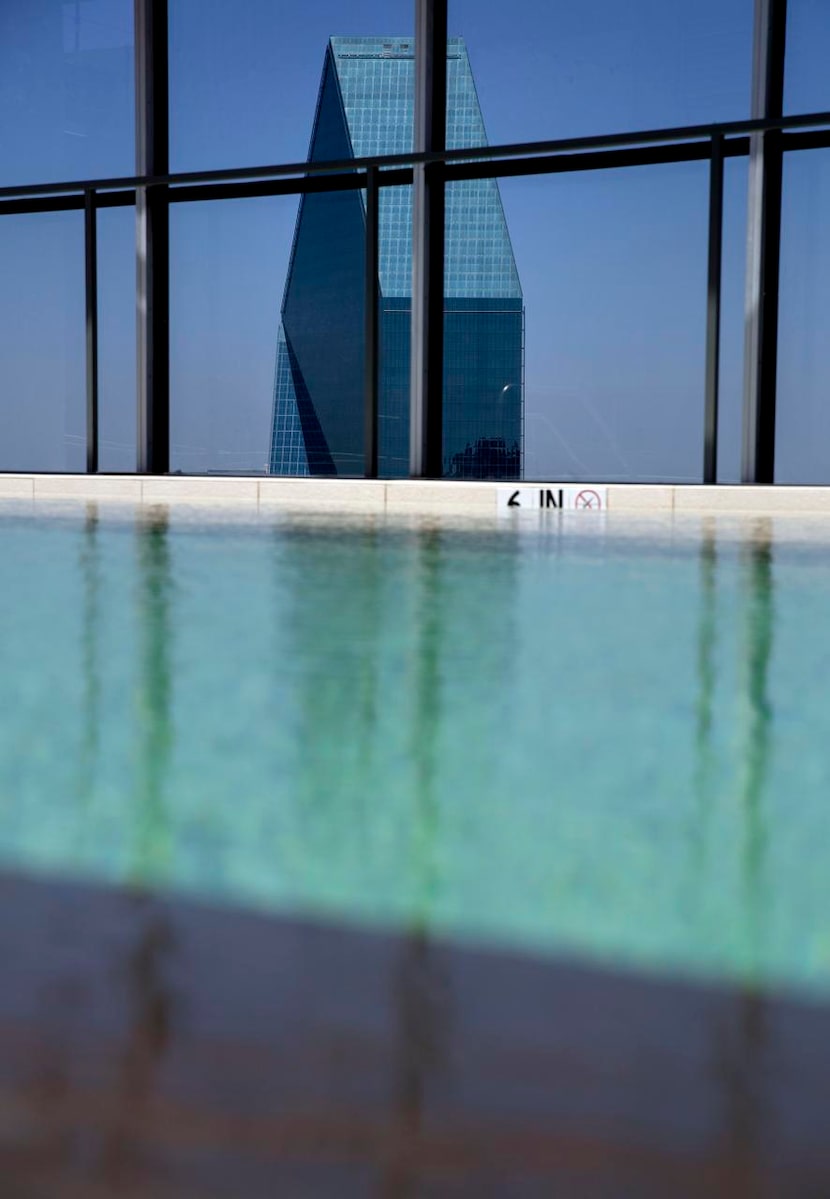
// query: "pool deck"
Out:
[403,496]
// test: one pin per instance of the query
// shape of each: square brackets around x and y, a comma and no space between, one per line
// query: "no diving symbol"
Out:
[587,499]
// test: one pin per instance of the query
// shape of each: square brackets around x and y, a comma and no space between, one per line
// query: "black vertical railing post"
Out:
[763,246]
[427,344]
[91,293]
[371,347]
[713,305]
[152,238]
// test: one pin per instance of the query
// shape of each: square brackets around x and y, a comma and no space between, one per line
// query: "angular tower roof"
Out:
[375,80]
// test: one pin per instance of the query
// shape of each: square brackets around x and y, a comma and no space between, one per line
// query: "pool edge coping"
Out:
[404,496]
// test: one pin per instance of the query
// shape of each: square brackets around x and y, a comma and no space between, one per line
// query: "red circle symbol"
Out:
[588,499]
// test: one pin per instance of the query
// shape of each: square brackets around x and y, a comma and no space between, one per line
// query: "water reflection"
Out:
[334,698]
[267,1064]
[421,994]
[740,1035]
[369,711]
[400,755]
[385,635]
[746,1058]
[194,1049]
[90,571]
[384,732]
[429,653]
[756,724]
[705,761]
[154,728]
[149,1010]
[141,971]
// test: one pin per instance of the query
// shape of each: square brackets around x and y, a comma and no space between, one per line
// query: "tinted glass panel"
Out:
[559,70]
[244,78]
[318,410]
[733,287]
[803,408]
[483,337]
[228,265]
[394,330]
[42,343]
[612,272]
[116,339]
[806,80]
[66,90]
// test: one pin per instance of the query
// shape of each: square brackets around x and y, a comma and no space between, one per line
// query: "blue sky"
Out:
[612,265]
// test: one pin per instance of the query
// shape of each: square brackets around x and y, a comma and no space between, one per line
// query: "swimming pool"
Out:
[572,735]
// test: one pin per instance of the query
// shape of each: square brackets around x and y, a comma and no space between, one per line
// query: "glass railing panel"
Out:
[245,78]
[267,335]
[42,343]
[394,329]
[484,313]
[806,81]
[588,302]
[117,420]
[67,108]
[228,262]
[802,446]
[733,302]
[548,71]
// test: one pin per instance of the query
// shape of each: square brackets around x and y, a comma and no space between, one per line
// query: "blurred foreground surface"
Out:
[161,1049]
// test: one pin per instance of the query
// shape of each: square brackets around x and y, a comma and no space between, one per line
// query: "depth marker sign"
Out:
[552,496]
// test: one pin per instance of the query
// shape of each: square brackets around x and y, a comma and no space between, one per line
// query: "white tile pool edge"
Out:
[410,496]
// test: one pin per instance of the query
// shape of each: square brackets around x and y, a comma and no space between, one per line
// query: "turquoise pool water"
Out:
[569,737]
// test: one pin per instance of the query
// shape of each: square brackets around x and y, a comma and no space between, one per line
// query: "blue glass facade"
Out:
[365,108]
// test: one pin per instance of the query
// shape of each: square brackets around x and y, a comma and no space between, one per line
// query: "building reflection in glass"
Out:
[391,632]
[421,996]
[335,600]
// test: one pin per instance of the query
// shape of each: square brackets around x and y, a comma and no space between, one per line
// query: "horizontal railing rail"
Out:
[347,167]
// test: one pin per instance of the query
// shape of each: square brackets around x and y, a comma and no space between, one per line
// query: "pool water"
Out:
[567,736]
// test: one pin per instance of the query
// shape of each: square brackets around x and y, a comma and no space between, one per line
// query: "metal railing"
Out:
[154,191]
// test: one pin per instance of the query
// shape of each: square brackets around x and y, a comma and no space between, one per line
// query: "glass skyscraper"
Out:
[365,108]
